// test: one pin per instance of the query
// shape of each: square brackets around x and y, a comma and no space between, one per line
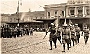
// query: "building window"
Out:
[80,13]
[48,13]
[72,12]
[88,12]
[62,13]
[55,12]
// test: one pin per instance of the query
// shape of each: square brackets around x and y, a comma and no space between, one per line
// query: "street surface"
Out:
[37,45]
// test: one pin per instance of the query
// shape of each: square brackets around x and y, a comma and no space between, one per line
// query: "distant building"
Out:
[27,18]
[4,18]
[75,11]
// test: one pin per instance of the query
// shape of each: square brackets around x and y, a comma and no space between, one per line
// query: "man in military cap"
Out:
[86,33]
[65,36]
[52,36]
[77,30]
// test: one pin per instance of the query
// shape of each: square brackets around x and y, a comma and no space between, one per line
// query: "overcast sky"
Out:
[10,6]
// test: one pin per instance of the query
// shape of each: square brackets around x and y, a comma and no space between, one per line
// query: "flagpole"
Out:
[18,13]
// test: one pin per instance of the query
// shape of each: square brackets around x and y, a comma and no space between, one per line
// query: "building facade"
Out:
[75,11]
[27,18]
[4,18]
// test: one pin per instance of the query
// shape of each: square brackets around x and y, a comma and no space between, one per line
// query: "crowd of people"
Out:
[67,34]
[12,31]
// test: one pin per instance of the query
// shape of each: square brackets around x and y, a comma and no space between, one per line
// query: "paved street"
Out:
[37,45]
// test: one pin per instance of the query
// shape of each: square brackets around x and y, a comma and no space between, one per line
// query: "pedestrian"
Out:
[65,37]
[86,33]
[31,31]
[77,30]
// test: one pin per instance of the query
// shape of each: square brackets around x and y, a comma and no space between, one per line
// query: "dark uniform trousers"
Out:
[86,36]
[78,36]
[65,40]
[58,36]
[52,38]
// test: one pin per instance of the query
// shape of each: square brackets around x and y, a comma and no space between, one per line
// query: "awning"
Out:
[25,22]
[76,18]
[48,19]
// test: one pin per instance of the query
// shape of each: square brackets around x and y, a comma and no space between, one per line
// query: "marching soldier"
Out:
[86,33]
[52,36]
[59,30]
[65,36]
[73,38]
[77,30]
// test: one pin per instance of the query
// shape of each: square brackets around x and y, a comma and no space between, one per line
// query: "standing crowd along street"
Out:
[11,31]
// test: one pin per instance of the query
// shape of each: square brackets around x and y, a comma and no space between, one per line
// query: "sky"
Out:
[10,6]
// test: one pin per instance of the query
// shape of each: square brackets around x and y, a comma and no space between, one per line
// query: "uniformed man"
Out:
[72,29]
[2,31]
[15,32]
[65,36]
[6,29]
[52,36]
[18,31]
[12,31]
[77,30]
[59,30]
[31,31]
[86,33]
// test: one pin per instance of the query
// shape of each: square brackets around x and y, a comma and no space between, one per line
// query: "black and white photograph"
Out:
[44,26]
